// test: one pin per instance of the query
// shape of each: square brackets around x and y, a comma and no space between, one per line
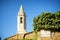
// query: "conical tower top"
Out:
[21,11]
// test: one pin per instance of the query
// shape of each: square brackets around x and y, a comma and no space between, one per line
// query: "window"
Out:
[20,19]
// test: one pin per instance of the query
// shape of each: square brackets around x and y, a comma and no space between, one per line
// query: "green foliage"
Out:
[27,39]
[47,20]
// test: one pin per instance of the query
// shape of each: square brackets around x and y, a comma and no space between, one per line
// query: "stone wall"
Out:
[16,37]
[53,36]
[31,35]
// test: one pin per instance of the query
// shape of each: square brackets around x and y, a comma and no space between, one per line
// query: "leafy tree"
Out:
[47,20]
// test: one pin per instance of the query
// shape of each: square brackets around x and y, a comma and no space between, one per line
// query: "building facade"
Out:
[22,34]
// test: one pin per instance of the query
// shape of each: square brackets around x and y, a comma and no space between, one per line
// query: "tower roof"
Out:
[21,10]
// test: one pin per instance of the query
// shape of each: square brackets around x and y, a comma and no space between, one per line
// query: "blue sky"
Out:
[9,10]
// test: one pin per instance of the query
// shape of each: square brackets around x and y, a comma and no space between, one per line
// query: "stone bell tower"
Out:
[21,21]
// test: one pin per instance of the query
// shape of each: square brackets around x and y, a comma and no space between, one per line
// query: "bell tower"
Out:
[21,21]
